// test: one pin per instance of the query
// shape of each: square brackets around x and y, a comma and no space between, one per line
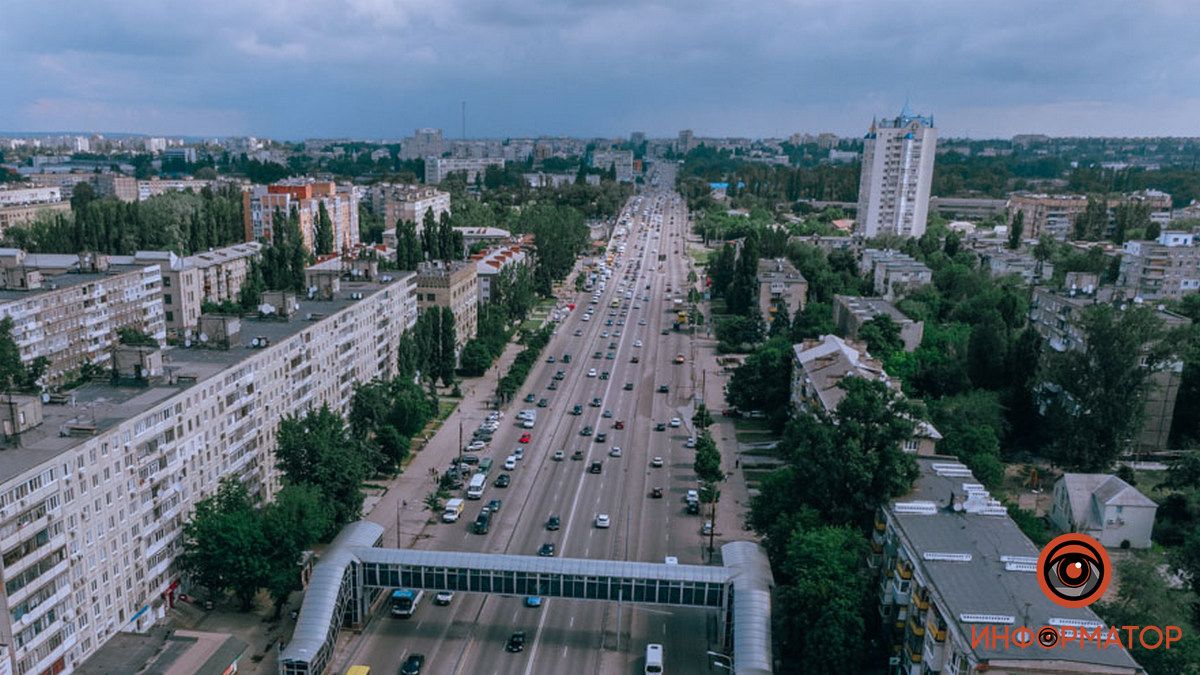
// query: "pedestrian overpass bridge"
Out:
[355,570]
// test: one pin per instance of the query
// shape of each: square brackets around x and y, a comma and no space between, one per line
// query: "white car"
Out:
[675,422]
[591,372]
[519,453]
[657,462]
[587,317]
[443,598]
[637,343]
[671,560]
[641,322]
[690,443]
[510,463]
[476,446]
[602,520]
[615,451]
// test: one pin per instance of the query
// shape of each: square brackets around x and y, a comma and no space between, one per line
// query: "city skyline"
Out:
[573,69]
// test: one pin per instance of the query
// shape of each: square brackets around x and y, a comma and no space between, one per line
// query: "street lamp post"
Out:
[726,660]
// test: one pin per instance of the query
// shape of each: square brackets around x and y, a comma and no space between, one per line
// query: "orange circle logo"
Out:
[1074,570]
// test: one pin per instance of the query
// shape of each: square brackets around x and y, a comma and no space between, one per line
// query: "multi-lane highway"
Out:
[623,329]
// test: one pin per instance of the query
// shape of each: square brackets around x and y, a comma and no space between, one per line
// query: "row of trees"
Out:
[512,381]
[427,350]
[184,222]
[511,299]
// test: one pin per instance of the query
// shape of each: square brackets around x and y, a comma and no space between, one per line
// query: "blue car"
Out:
[534,601]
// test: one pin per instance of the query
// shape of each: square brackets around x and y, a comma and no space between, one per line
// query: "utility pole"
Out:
[460,443]
[712,531]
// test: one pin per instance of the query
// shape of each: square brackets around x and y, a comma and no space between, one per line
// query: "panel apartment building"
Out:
[408,203]
[20,206]
[438,168]
[951,562]
[260,204]
[213,276]
[95,493]
[454,285]
[897,171]
[70,309]
[1164,269]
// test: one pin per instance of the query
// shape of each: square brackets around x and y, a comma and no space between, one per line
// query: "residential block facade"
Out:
[897,171]
[453,285]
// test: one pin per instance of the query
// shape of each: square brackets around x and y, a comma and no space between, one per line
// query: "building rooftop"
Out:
[868,308]
[165,652]
[980,567]
[827,360]
[778,269]
[101,405]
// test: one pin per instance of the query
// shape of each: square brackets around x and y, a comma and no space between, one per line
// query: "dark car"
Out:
[502,480]
[666,331]
[553,523]
[494,505]
[656,493]
[550,359]
[628,386]
[530,398]
[663,389]
[542,403]
[577,409]
[566,358]
[604,375]
[553,386]
[598,355]
[596,402]
[413,665]
[601,437]
[660,427]
[595,467]
[470,459]
[547,550]
[559,375]
[586,431]
[516,642]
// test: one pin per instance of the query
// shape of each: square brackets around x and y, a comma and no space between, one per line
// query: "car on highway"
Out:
[591,372]
[637,343]
[602,520]
[578,332]
[612,345]
[550,359]
[577,409]
[614,451]
[470,459]
[586,431]
[476,446]
[543,402]
[642,322]
[628,386]
[553,523]
[566,358]
[519,453]
[413,664]
[675,422]
[656,493]
[510,463]
[610,356]
[533,602]
[525,437]
[604,375]
[530,398]
[607,414]
[679,358]
[502,481]
[656,462]
[619,424]
[547,550]
[516,642]
[595,467]
[660,427]
[598,355]
[559,375]
[559,455]
[601,437]
[494,505]
[663,389]
[596,402]
[634,359]
[553,386]
[443,598]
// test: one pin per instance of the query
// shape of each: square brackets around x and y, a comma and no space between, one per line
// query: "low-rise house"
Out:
[851,312]
[1104,506]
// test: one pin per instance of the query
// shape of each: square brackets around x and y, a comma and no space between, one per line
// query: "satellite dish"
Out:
[203,338]
[266,308]
[45,397]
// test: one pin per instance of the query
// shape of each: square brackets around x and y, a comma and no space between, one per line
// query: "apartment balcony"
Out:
[59,570]
[921,599]
[44,666]
[42,607]
[916,626]
[158,569]
[914,657]
[904,569]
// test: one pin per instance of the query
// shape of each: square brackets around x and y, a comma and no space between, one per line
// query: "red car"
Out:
[618,425]
[525,438]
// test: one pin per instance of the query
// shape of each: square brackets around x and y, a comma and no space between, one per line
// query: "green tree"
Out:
[882,335]
[707,464]
[324,231]
[1144,598]
[1015,230]
[224,548]
[764,380]
[318,450]
[702,418]
[721,270]
[737,333]
[291,524]
[1090,425]
[987,352]
[822,598]
[446,350]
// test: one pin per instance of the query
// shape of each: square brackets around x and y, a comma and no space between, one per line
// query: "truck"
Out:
[485,465]
[454,509]
[475,488]
[405,601]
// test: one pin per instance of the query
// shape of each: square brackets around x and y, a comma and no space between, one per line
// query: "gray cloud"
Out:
[378,68]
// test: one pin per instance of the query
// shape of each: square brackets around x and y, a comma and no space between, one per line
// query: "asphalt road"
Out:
[567,636]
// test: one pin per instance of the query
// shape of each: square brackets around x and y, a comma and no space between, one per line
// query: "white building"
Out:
[92,504]
[621,160]
[423,143]
[489,265]
[1105,507]
[437,168]
[897,169]
[408,203]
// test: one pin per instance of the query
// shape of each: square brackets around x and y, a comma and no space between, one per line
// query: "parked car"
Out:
[656,462]
[663,389]
[675,422]
[516,642]
[656,493]
[443,598]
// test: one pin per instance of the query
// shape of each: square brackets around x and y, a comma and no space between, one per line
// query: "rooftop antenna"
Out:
[464,120]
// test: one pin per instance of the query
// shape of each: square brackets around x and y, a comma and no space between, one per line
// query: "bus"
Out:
[475,489]
[358,670]
[485,465]
[654,659]
[405,601]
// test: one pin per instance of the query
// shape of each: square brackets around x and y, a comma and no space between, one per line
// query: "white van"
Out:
[475,489]
[454,509]
[654,659]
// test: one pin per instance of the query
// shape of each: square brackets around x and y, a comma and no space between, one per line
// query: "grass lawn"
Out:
[700,255]
[754,436]
[743,424]
[444,410]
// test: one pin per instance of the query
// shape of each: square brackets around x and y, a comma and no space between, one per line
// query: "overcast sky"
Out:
[379,68]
